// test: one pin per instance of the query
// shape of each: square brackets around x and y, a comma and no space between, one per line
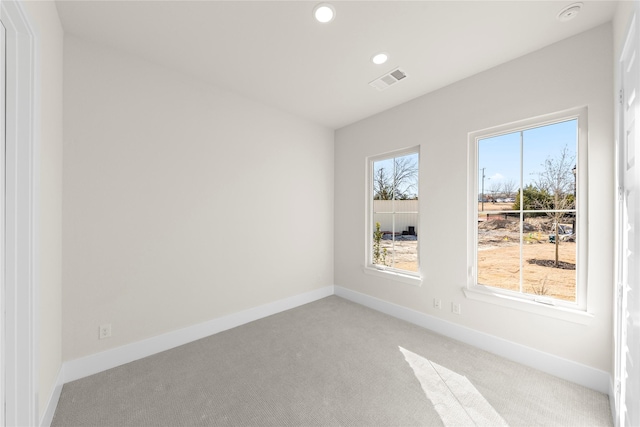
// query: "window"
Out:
[393,213]
[528,221]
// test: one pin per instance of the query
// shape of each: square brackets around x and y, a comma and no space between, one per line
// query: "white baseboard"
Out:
[99,362]
[554,365]
[563,368]
[47,417]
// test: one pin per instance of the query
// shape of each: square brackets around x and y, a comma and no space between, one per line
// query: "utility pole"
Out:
[482,196]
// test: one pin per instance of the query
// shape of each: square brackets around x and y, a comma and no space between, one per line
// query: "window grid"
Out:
[394,211]
[579,213]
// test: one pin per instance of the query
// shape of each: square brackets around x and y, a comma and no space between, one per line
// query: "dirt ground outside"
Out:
[491,206]
[499,266]
[499,257]
[401,254]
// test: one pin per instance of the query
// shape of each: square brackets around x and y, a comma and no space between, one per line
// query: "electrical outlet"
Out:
[455,308]
[437,303]
[104,331]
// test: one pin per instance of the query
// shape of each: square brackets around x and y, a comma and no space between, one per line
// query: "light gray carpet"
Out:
[331,362]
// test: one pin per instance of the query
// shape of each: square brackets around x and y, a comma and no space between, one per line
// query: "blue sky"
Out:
[500,155]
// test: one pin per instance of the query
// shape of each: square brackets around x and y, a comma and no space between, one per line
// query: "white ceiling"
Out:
[276,53]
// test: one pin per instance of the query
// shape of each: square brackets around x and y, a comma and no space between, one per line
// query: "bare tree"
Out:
[382,185]
[556,181]
[400,183]
[494,189]
[508,187]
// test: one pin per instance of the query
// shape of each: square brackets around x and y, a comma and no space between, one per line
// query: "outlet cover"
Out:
[104,331]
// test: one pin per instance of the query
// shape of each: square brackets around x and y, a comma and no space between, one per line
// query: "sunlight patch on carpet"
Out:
[453,396]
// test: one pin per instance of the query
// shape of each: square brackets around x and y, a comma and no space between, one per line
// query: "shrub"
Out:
[379,255]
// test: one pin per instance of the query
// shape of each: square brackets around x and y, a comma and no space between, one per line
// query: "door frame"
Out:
[20,290]
[631,41]
[2,215]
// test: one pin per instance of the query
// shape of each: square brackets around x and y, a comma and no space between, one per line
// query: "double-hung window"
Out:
[392,226]
[527,220]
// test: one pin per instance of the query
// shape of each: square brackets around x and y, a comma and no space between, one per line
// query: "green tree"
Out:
[532,198]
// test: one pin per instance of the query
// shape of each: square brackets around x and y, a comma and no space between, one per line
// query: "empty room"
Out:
[369,213]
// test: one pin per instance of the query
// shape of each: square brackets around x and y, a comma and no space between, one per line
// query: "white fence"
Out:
[406,215]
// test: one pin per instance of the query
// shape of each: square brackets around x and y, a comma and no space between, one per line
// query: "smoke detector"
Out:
[389,79]
[569,12]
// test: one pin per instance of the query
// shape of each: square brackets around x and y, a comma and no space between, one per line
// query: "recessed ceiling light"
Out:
[569,12]
[324,12]
[379,58]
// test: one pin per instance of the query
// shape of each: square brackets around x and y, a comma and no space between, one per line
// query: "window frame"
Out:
[530,302]
[399,275]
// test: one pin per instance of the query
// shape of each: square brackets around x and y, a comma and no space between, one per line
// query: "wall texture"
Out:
[44,17]
[182,202]
[572,73]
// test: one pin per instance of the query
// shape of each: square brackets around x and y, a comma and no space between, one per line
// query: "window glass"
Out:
[394,216]
[527,210]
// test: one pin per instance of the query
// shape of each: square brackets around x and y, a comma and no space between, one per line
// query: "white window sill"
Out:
[573,315]
[393,275]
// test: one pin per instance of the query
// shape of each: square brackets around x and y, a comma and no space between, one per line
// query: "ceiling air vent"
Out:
[391,78]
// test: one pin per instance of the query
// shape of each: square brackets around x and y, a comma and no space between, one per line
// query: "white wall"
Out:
[154,162]
[44,17]
[572,73]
